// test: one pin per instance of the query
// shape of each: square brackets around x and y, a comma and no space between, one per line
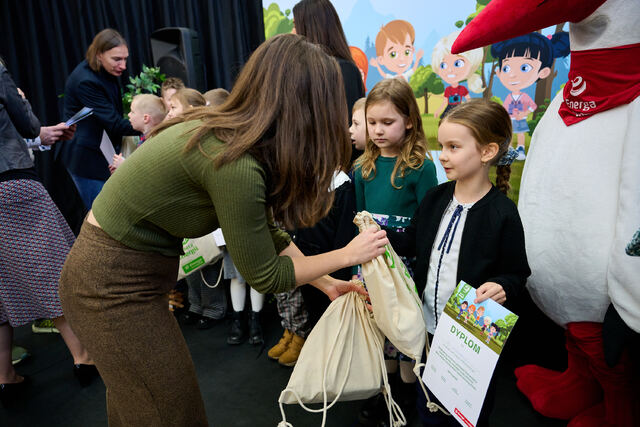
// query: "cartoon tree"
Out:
[276,22]
[510,321]
[425,82]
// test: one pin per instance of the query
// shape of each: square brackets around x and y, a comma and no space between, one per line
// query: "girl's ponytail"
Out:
[503,174]
[474,81]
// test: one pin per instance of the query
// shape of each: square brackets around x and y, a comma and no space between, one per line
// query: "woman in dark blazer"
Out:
[94,83]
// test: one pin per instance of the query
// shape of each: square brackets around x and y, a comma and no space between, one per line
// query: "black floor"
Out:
[239,384]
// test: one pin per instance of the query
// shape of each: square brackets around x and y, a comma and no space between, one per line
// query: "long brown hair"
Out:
[488,122]
[414,148]
[105,40]
[318,21]
[288,110]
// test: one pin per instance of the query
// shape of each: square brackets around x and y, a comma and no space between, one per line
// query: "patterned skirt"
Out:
[399,224]
[35,242]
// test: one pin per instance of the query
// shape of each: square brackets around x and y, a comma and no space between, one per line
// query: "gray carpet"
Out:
[239,384]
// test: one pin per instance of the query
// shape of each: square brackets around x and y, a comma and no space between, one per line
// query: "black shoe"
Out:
[190,318]
[13,392]
[85,373]
[206,322]
[374,411]
[406,398]
[255,329]
[238,332]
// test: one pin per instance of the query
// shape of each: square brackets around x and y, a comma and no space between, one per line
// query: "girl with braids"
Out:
[467,229]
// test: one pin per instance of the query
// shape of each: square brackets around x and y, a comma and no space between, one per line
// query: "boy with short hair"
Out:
[146,112]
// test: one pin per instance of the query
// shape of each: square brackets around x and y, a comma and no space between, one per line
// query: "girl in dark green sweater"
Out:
[391,178]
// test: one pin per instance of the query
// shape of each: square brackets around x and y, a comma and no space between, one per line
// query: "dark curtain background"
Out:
[42,41]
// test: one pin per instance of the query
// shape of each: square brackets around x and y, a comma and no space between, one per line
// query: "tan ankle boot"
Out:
[276,351]
[290,357]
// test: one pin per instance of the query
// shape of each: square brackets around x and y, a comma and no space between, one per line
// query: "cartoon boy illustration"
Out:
[470,315]
[522,61]
[493,330]
[479,314]
[454,69]
[463,308]
[395,50]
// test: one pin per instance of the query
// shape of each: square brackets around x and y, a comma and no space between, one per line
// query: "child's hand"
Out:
[118,159]
[491,290]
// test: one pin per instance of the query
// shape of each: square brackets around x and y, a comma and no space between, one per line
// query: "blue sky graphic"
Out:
[432,20]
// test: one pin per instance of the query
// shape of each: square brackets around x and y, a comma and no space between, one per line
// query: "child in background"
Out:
[146,112]
[216,97]
[522,61]
[358,129]
[467,229]
[454,69]
[391,178]
[208,302]
[183,100]
[169,87]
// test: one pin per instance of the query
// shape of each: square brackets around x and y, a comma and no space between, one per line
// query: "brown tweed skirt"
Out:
[115,299]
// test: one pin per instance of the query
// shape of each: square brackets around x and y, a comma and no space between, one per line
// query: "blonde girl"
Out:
[391,178]
[183,100]
[454,69]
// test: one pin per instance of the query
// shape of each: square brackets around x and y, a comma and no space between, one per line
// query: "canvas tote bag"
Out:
[397,307]
[198,252]
[342,359]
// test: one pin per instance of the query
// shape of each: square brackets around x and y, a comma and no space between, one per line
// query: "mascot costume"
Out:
[580,205]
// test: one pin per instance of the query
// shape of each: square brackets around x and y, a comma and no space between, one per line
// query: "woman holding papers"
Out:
[35,242]
[94,84]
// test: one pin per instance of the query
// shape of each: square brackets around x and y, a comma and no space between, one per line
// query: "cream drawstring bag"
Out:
[397,307]
[342,359]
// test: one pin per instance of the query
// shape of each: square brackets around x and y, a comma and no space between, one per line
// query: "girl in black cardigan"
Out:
[467,229]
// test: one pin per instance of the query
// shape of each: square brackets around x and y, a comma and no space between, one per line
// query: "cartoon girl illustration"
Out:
[479,314]
[493,330]
[463,309]
[522,61]
[487,322]
[454,69]
[360,58]
[395,50]
[470,315]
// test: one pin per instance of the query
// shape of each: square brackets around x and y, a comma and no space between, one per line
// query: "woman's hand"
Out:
[335,288]
[365,246]
[491,290]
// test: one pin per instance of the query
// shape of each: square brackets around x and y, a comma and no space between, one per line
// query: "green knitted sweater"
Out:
[161,195]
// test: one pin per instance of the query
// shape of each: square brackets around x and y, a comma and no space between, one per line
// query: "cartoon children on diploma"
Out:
[479,314]
[463,309]
[395,50]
